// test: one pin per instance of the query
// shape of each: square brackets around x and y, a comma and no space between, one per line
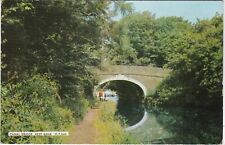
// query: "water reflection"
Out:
[166,125]
[129,100]
[180,125]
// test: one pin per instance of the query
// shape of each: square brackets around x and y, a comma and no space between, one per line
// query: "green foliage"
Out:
[189,125]
[79,107]
[141,39]
[123,7]
[32,105]
[109,128]
[53,36]
[94,103]
[196,79]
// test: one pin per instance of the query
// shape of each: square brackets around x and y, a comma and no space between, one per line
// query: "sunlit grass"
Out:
[70,129]
[109,128]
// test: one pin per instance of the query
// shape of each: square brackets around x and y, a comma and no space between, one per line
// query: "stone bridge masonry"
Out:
[146,77]
[123,78]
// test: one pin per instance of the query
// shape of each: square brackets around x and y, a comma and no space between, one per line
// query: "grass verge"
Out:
[109,128]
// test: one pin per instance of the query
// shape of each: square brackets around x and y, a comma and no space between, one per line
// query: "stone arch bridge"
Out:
[146,77]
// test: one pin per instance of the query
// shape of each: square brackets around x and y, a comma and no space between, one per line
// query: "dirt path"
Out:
[84,132]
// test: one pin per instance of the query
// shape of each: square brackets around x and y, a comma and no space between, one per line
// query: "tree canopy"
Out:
[141,39]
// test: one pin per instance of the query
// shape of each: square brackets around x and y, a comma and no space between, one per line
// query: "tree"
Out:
[196,63]
[122,7]
[54,37]
[141,39]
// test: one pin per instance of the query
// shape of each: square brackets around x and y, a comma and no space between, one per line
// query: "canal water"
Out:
[165,125]
[180,126]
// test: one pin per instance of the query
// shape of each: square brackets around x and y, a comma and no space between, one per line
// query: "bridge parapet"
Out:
[148,78]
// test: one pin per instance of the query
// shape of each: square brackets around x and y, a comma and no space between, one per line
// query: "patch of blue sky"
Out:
[189,10]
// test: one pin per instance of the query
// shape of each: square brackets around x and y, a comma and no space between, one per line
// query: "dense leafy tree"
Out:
[141,39]
[169,30]
[132,36]
[52,37]
[196,62]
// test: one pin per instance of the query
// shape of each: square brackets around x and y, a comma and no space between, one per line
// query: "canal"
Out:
[181,126]
[170,125]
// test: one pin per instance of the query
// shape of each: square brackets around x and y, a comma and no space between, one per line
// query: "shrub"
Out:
[79,107]
[94,102]
[32,106]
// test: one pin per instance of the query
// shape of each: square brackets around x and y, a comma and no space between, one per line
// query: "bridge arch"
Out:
[122,78]
[129,79]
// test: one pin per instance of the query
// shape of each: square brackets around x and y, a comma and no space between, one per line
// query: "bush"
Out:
[94,102]
[79,107]
[32,106]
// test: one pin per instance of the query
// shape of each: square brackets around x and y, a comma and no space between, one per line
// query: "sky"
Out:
[189,10]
